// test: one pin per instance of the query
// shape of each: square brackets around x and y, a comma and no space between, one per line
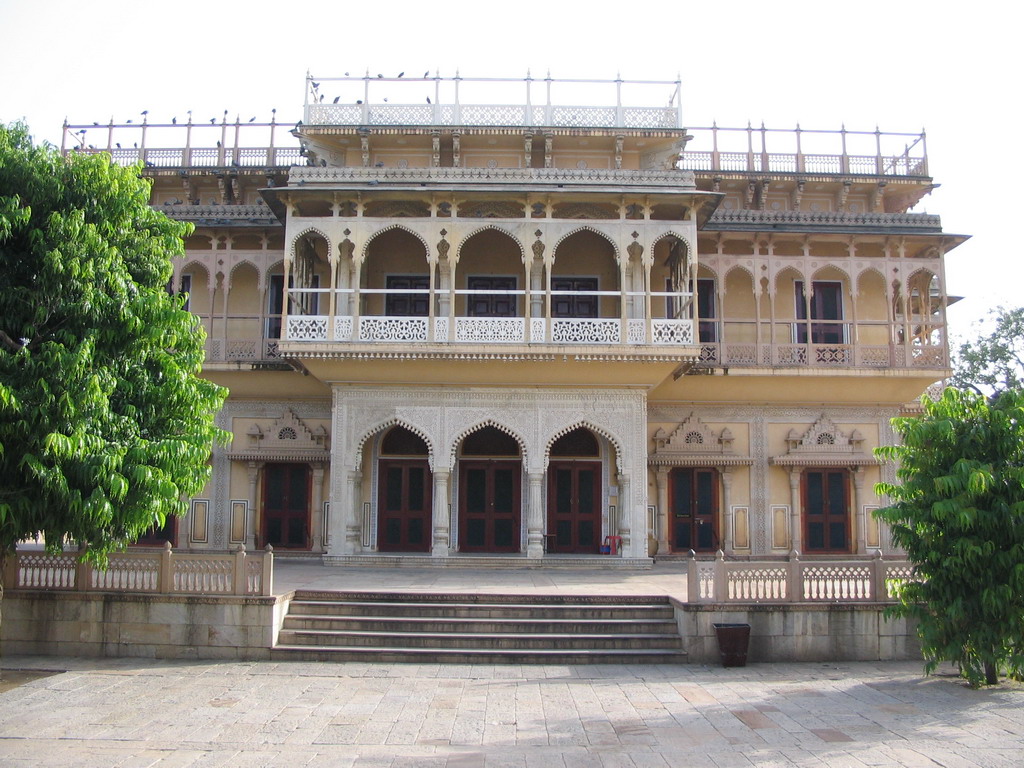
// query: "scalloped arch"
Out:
[740,268]
[523,452]
[303,233]
[830,265]
[677,236]
[586,228]
[484,228]
[606,434]
[244,262]
[366,245]
[192,265]
[788,268]
[396,422]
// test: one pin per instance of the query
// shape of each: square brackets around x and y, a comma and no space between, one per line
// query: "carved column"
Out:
[352,516]
[795,538]
[318,506]
[858,510]
[441,519]
[535,517]
[625,512]
[661,483]
[730,521]
[250,523]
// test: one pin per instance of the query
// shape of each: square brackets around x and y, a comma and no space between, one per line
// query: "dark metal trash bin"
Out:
[733,641]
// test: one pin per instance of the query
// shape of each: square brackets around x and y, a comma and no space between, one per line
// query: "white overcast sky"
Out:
[952,68]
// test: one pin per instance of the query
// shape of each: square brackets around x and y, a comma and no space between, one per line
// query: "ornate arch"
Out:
[395,225]
[308,231]
[484,228]
[605,433]
[587,228]
[739,267]
[838,268]
[523,452]
[195,264]
[780,273]
[681,238]
[396,421]
[236,265]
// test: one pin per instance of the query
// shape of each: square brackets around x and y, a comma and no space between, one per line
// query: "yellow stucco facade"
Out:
[539,332]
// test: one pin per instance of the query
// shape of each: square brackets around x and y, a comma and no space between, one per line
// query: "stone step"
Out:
[581,612]
[396,655]
[478,640]
[477,624]
[479,628]
[479,597]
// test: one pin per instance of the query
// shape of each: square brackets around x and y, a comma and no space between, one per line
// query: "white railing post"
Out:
[721,587]
[692,579]
[238,572]
[83,576]
[10,571]
[794,579]
[268,571]
[166,578]
[879,590]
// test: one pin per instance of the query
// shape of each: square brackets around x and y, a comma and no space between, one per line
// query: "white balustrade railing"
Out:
[393,329]
[495,330]
[307,328]
[155,571]
[846,579]
[586,331]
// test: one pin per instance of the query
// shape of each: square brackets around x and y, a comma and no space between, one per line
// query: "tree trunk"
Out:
[991,673]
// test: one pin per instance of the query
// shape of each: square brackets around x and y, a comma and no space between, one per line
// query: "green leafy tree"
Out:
[993,362]
[959,515]
[105,426]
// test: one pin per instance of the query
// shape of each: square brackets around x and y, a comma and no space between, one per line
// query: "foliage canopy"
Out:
[993,362]
[959,515]
[105,425]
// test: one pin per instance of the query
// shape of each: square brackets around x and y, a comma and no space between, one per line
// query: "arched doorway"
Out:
[490,483]
[404,493]
[574,493]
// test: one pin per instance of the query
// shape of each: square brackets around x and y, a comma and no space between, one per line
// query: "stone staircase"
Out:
[479,629]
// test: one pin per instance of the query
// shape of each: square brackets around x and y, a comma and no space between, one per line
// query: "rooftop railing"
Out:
[252,144]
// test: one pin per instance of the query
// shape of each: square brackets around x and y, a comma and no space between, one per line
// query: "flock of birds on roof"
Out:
[318,97]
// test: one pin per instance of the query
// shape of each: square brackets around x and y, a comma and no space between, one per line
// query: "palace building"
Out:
[540,322]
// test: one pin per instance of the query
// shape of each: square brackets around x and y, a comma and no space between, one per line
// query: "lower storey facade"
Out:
[539,473]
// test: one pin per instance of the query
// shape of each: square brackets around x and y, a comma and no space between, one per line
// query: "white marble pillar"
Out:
[626,511]
[441,517]
[352,516]
[661,483]
[535,516]
[250,523]
[858,510]
[730,520]
[795,537]
[318,507]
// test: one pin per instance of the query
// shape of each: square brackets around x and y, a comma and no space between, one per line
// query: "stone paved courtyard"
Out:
[134,713]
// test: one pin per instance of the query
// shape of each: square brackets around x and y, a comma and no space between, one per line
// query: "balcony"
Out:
[347,329]
[924,350]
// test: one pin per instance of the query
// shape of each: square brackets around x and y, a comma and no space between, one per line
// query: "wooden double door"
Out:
[404,506]
[490,508]
[286,506]
[574,507]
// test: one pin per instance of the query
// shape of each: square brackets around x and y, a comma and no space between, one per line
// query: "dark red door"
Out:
[574,506]
[489,506]
[826,511]
[693,500]
[403,506]
[286,495]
